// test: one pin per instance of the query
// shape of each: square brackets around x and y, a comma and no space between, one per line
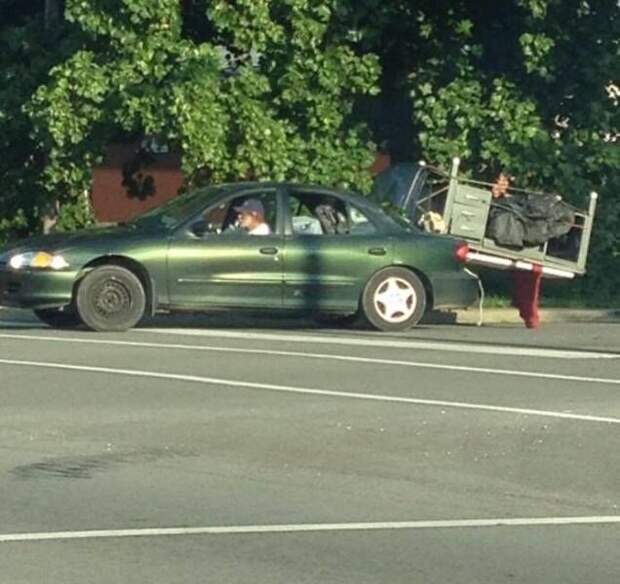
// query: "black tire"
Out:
[64,317]
[110,298]
[394,299]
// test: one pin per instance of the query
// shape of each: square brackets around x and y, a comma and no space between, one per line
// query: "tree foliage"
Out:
[261,91]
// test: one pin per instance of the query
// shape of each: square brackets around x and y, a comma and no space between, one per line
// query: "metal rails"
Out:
[465,205]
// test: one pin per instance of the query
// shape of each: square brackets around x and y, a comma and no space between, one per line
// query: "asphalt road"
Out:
[265,450]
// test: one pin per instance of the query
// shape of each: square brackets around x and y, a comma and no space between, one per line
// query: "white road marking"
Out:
[385,343]
[321,356]
[311,391]
[308,528]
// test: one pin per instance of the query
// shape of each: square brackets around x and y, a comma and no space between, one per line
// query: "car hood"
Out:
[65,240]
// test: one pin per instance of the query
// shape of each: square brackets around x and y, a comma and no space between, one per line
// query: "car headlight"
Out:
[38,259]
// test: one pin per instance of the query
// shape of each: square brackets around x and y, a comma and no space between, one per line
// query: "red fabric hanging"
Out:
[526,294]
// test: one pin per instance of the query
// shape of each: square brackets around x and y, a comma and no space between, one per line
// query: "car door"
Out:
[211,261]
[331,249]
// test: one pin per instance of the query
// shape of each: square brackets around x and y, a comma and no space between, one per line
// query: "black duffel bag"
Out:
[506,224]
[531,220]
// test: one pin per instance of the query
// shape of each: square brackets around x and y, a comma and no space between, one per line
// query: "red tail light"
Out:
[461,249]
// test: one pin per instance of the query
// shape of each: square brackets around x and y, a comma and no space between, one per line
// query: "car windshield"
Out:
[176,210]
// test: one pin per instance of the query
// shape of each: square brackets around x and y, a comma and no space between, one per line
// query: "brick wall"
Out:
[132,180]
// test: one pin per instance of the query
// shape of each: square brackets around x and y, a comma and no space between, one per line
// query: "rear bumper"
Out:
[36,289]
[456,289]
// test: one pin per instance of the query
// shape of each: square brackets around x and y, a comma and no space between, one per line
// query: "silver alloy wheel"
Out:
[395,300]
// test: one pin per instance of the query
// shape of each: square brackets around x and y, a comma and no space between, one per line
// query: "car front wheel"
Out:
[110,298]
[394,299]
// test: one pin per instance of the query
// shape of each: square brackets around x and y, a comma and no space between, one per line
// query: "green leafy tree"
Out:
[22,68]
[257,89]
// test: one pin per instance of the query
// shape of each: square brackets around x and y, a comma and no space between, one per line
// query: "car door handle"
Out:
[377,251]
[269,250]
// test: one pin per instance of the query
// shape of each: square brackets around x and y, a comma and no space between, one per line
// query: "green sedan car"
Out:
[244,245]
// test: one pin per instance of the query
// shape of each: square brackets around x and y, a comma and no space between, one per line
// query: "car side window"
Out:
[227,218]
[317,214]
[215,217]
[360,224]
[321,214]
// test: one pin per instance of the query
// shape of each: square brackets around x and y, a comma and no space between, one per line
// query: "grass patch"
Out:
[575,294]
[547,301]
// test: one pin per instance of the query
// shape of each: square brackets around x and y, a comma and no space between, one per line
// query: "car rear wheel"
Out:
[110,298]
[394,299]
[63,317]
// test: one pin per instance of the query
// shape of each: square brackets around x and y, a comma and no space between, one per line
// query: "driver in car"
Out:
[251,217]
